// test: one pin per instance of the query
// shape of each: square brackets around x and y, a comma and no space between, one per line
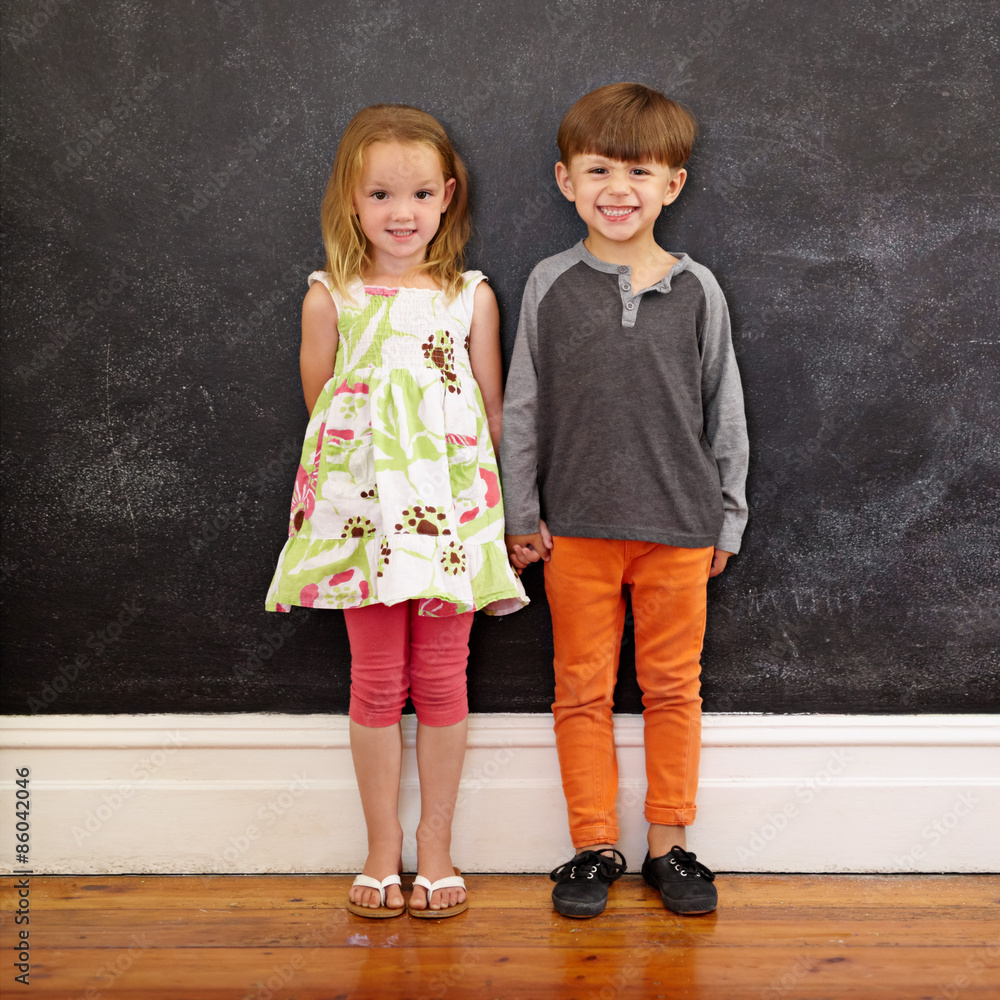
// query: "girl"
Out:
[396,515]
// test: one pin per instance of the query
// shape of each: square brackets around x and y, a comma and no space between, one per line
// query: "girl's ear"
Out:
[564,181]
[449,193]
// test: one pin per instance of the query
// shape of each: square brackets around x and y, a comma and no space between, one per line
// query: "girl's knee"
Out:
[374,712]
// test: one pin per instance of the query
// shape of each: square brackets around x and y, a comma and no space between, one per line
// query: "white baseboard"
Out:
[164,794]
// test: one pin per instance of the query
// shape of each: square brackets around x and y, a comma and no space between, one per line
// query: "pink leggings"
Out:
[395,652]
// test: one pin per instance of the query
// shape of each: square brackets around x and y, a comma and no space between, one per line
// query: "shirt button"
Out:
[625,286]
[622,269]
[629,305]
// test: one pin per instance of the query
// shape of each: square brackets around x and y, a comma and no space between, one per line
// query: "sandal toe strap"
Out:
[449,882]
[367,882]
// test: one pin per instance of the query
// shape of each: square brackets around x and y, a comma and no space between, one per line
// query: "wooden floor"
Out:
[802,937]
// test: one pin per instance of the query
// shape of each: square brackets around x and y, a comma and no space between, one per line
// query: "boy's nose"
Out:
[618,183]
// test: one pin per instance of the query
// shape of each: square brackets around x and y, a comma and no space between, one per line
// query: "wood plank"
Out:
[408,973]
[286,891]
[288,937]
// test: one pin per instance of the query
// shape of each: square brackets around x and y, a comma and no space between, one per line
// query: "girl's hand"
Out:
[719,560]
[526,549]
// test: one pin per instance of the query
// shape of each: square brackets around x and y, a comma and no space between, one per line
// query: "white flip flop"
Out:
[382,911]
[451,881]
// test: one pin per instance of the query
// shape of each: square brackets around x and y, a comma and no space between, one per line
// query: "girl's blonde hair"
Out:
[348,252]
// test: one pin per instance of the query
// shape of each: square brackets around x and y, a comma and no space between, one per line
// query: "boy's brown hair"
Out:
[627,121]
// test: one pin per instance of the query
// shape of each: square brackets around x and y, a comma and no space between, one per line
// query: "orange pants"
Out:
[584,583]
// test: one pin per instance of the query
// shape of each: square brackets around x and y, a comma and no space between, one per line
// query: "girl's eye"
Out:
[379,195]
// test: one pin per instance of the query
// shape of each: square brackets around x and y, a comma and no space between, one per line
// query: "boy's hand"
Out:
[719,560]
[523,550]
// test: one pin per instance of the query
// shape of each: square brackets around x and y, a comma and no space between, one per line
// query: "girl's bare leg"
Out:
[378,756]
[440,754]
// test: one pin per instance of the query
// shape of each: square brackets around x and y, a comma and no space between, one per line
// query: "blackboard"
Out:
[163,168]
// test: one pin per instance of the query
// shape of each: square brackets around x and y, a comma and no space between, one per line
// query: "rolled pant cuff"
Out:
[589,835]
[670,817]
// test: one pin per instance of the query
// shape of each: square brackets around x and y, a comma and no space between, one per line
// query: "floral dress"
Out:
[397,495]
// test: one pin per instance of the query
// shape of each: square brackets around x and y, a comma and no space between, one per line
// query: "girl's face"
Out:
[399,201]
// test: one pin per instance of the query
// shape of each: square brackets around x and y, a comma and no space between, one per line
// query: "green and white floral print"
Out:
[397,495]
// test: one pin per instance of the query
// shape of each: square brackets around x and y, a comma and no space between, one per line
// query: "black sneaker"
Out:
[685,884]
[582,884]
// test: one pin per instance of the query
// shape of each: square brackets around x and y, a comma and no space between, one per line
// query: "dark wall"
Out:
[163,168]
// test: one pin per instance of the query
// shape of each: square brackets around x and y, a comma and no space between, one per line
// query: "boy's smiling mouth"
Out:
[615,212]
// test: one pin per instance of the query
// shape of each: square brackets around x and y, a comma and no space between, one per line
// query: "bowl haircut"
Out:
[629,122]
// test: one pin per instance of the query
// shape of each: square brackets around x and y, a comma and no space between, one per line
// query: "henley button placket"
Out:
[628,302]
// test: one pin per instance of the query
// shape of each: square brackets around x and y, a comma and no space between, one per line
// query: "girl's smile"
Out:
[399,202]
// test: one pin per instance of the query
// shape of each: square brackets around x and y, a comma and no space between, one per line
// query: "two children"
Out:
[624,458]
[623,433]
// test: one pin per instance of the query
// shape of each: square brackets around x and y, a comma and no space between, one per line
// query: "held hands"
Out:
[523,550]
[719,560]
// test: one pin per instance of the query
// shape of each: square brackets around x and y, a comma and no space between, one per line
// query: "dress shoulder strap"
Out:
[324,278]
[470,282]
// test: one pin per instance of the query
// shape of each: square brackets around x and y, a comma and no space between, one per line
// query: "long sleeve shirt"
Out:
[623,412]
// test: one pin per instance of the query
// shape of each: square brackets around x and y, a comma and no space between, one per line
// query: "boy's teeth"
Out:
[617,211]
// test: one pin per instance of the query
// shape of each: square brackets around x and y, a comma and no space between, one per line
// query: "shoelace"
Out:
[684,859]
[589,864]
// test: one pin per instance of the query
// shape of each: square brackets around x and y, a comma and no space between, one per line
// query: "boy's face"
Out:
[620,201]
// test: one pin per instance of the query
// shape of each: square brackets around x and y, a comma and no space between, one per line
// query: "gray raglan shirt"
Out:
[623,414]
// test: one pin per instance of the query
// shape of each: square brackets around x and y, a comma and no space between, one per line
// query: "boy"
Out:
[624,434]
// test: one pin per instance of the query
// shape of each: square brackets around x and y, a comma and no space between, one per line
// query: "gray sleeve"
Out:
[519,442]
[725,419]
